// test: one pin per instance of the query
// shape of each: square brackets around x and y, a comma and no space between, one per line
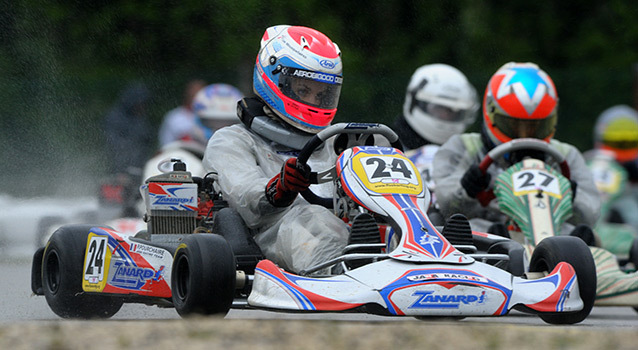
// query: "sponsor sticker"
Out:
[446,276]
[147,250]
[128,276]
[428,299]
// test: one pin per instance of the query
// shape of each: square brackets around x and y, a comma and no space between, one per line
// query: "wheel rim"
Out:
[183,277]
[52,272]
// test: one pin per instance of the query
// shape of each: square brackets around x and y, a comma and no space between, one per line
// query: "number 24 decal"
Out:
[397,165]
[97,249]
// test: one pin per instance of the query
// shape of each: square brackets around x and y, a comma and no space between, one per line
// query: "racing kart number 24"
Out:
[96,261]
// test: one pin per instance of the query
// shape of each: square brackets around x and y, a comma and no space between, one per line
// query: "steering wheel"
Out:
[322,136]
[525,144]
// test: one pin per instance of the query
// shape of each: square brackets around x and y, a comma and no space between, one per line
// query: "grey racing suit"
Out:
[460,152]
[295,237]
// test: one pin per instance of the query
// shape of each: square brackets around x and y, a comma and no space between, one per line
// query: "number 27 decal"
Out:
[529,180]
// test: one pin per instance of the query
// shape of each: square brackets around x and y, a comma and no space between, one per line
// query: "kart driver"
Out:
[520,101]
[215,107]
[297,82]
[439,102]
[616,132]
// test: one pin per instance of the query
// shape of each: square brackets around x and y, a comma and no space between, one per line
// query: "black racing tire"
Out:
[43,230]
[203,276]
[516,252]
[573,250]
[633,253]
[62,265]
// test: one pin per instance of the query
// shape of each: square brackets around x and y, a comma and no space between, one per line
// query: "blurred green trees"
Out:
[63,62]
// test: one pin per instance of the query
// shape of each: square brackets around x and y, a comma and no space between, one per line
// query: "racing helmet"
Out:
[298,74]
[216,105]
[520,101]
[616,130]
[439,102]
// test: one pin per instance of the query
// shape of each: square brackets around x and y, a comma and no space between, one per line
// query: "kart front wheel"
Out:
[203,276]
[62,265]
[553,250]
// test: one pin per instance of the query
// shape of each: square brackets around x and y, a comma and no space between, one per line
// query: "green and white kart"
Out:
[614,234]
[537,199]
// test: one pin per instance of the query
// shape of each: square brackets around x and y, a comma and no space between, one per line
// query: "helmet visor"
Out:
[443,112]
[315,89]
[517,128]
[621,144]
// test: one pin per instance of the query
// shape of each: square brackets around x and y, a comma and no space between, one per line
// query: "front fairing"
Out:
[393,287]
[384,181]
[536,197]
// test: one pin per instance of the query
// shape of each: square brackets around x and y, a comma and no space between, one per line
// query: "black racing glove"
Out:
[474,181]
[283,188]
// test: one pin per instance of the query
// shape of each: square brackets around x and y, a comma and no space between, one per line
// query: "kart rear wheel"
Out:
[62,265]
[203,276]
[551,251]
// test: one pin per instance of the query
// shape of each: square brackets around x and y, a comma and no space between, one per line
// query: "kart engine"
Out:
[171,201]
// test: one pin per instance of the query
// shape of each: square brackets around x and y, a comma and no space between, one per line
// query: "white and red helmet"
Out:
[520,101]
[298,73]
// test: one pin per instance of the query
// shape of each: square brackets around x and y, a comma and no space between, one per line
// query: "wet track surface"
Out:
[19,304]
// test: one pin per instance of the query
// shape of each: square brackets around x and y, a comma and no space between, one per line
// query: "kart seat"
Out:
[229,224]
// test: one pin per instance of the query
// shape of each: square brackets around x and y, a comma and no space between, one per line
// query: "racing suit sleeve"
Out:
[587,204]
[231,152]
[450,163]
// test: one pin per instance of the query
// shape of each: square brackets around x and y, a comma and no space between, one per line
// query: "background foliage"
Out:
[62,63]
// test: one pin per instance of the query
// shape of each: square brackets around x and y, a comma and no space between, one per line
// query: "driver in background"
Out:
[439,102]
[297,82]
[616,133]
[520,101]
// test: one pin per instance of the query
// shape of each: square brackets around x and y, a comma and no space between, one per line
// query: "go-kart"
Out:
[537,199]
[397,263]
[118,200]
[615,235]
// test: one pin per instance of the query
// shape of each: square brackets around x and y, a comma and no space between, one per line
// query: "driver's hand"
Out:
[283,188]
[474,181]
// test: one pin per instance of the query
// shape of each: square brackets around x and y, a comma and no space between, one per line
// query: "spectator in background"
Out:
[179,122]
[129,135]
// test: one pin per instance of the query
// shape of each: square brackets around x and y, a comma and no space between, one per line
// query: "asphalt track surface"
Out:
[26,322]
[18,304]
